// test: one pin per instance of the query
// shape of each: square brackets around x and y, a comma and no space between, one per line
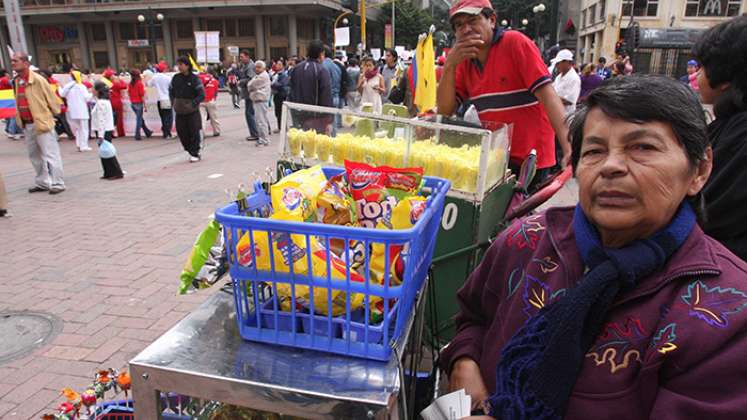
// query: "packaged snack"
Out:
[295,195]
[290,251]
[376,190]
[335,206]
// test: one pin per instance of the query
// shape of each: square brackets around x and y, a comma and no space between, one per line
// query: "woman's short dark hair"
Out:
[722,52]
[646,98]
[316,47]
[134,76]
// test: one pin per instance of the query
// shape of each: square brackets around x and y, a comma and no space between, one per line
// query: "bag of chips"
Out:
[294,196]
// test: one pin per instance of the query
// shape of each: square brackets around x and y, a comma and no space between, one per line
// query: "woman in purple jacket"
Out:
[619,308]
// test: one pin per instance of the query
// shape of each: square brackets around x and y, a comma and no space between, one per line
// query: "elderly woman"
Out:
[723,83]
[620,307]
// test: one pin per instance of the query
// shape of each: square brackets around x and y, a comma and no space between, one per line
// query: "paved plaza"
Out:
[105,256]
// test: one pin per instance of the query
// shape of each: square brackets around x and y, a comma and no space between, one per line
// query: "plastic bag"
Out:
[199,255]
[107,150]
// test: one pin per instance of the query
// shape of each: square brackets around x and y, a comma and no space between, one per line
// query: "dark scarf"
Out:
[540,364]
[370,74]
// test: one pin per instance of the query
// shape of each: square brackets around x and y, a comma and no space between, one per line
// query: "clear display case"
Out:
[474,159]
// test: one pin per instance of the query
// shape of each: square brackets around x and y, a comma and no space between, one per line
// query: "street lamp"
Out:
[524,22]
[334,27]
[538,10]
[153,20]
[504,22]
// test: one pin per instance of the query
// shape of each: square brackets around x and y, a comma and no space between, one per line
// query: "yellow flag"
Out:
[425,88]
[194,63]
[76,76]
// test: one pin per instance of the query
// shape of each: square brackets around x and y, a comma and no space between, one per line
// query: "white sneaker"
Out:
[194,159]
[85,149]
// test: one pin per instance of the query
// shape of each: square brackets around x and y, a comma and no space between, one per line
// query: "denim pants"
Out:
[11,126]
[249,115]
[139,122]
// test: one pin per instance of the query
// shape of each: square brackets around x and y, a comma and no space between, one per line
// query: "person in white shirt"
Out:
[568,83]
[77,96]
[161,81]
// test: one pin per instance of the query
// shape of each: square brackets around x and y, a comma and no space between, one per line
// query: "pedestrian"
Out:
[136,91]
[161,81]
[722,77]
[371,85]
[11,128]
[590,80]
[310,84]
[61,126]
[102,123]
[210,105]
[602,70]
[233,85]
[259,92]
[186,94]
[391,71]
[36,105]
[280,87]
[567,84]
[3,198]
[247,73]
[353,97]
[691,78]
[77,96]
[116,89]
[503,72]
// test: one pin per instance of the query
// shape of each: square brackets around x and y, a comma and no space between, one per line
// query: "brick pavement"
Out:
[105,256]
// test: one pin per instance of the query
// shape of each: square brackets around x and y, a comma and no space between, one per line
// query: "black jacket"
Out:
[310,84]
[726,189]
[187,87]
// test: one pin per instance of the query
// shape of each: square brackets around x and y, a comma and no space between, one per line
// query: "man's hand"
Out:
[466,374]
[464,49]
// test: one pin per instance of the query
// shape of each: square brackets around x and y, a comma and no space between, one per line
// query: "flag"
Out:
[425,99]
[76,76]
[7,104]
[106,81]
[194,64]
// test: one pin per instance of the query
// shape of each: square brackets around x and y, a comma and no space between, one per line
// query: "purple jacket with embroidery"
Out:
[675,347]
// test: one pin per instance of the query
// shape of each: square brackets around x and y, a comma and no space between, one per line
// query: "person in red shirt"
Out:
[11,128]
[136,90]
[116,99]
[502,74]
[211,105]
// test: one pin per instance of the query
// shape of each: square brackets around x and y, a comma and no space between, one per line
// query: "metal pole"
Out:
[363,23]
[393,27]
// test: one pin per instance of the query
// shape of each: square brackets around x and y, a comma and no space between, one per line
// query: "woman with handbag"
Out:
[186,94]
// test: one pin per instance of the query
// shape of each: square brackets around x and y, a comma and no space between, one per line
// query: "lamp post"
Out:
[538,13]
[152,20]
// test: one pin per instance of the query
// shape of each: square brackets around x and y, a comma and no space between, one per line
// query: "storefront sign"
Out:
[138,43]
[54,34]
[233,50]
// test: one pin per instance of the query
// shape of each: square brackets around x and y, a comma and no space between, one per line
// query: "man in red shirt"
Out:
[211,105]
[116,99]
[502,74]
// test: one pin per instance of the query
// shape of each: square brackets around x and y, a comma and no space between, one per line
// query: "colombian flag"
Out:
[7,104]
[425,74]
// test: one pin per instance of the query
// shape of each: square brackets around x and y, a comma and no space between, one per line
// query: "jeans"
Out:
[11,126]
[167,120]
[249,115]
[139,122]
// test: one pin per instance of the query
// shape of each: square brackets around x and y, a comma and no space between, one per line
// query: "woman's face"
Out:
[632,177]
[368,66]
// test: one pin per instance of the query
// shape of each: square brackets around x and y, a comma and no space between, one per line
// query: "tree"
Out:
[409,22]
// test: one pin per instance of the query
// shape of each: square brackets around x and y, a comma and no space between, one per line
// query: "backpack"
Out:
[343,79]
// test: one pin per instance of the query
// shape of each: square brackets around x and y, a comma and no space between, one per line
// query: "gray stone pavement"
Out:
[105,256]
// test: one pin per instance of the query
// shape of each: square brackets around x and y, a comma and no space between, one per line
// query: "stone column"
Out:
[317,29]
[111,45]
[259,35]
[85,50]
[168,42]
[292,36]
[4,48]
[30,42]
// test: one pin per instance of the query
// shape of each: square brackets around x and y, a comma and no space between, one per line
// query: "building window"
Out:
[602,10]
[142,32]
[583,18]
[127,31]
[278,25]
[640,7]
[305,28]
[100,59]
[592,14]
[184,29]
[230,28]
[712,8]
[276,53]
[215,25]
[98,32]
[185,52]
[246,27]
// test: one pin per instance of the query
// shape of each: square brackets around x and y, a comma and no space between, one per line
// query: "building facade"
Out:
[97,34]
[603,23]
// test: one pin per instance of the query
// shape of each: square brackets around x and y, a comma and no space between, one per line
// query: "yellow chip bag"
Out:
[294,197]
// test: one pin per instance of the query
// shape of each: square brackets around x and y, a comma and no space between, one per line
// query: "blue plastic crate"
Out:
[253,288]
[123,410]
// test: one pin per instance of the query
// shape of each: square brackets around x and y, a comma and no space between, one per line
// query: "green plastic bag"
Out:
[198,257]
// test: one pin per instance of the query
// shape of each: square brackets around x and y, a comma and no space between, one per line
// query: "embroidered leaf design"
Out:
[514,280]
[536,295]
[618,345]
[547,265]
[665,335]
[713,305]
[526,233]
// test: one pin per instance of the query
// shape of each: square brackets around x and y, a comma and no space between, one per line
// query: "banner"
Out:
[207,46]
[388,36]
[342,37]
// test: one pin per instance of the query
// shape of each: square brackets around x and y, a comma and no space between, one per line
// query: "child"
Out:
[102,122]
